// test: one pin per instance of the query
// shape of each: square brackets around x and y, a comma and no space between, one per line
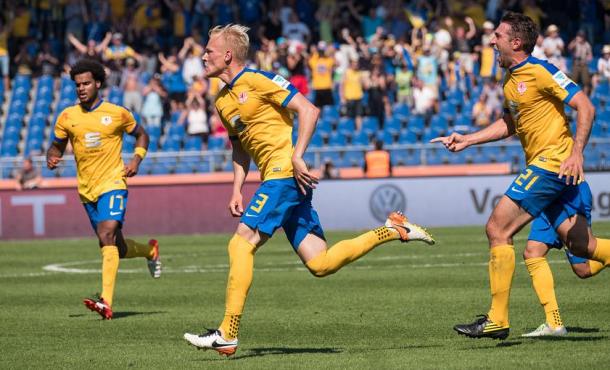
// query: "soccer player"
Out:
[95,129]
[257,109]
[541,239]
[552,184]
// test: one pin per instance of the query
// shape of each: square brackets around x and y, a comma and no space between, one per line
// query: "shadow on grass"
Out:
[506,343]
[568,338]
[577,329]
[275,351]
[123,314]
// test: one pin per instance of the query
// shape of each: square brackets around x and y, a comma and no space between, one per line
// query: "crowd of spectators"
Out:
[363,56]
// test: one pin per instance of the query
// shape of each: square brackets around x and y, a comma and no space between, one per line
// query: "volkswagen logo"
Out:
[385,199]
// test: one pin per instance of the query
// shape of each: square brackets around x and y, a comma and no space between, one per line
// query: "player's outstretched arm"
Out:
[241,165]
[308,118]
[142,140]
[498,130]
[572,168]
[54,153]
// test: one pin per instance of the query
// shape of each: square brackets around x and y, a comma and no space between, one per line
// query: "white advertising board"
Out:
[432,201]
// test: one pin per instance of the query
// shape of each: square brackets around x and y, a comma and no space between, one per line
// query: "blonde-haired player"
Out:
[95,129]
[257,109]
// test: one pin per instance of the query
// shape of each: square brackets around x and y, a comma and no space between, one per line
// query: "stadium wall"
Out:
[202,207]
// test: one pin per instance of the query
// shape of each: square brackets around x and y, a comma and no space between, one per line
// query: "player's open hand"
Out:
[572,168]
[236,205]
[52,162]
[454,142]
[131,169]
[301,174]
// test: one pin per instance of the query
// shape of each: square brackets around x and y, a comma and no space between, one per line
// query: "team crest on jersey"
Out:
[242,97]
[106,120]
[521,88]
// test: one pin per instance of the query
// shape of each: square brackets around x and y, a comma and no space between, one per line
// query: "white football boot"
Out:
[407,231]
[545,330]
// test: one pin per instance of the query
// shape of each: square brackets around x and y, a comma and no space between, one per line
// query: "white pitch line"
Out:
[69,267]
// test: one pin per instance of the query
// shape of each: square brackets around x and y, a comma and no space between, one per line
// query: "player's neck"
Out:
[89,105]
[518,58]
[231,72]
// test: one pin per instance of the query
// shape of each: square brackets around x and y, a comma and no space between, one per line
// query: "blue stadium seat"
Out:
[171,145]
[428,135]
[154,131]
[45,172]
[153,145]
[333,156]
[316,140]
[9,147]
[204,167]
[439,125]
[68,171]
[434,157]
[346,126]
[361,138]
[216,143]
[386,137]
[416,124]
[392,125]
[459,158]
[407,137]
[370,125]
[193,143]
[324,127]
[401,111]
[353,158]
[183,168]
[337,139]
[330,112]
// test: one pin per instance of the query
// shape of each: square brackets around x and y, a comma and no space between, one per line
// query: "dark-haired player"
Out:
[95,129]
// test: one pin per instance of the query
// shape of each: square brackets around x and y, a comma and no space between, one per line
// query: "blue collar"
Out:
[520,64]
[232,83]
[95,106]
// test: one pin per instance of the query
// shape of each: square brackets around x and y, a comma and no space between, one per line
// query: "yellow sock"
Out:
[110,266]
[501,269]
[602,251]
[595,267]
[544,286]
[346,251]
[135,249]
[241,265]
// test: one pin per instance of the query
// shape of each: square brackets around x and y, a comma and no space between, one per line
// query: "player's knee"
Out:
[494,233]
[319,267]
[581,270]
[106,237]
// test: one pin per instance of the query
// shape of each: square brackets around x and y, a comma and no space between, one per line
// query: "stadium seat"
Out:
[45,172]
[337,139]
[193,143]
[316,140]
[416,124]
[401,111]
[439,125]
[330,112]
[324,127]
[370,125]
[334,157]
[386,137]
[361,138]
[216,143]
[346,126]
[352,158]
[68,171]
[407,137]
[392,125]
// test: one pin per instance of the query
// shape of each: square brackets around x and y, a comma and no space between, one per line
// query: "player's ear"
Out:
[98,85]
[228,56]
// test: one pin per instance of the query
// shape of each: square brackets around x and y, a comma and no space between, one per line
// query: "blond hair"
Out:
[236,38]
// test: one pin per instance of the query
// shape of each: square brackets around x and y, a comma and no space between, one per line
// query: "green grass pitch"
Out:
[394,308]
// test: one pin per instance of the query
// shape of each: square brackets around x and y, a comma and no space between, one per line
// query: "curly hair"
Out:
[89,65]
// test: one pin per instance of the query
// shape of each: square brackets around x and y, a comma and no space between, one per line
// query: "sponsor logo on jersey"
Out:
[280,81]
[243,97]
[93,139]
[561,79]
[521,88]
[106,120]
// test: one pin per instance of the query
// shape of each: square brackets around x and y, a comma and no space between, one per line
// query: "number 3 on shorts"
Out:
[260,203]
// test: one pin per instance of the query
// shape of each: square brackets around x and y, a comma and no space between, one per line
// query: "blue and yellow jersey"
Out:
[535,92]
[97,138]
[253,109]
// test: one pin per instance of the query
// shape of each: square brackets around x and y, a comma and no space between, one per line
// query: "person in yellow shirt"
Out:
[552,185]
[95,130]
[321,64]
[257,108]
[352,92]
[5,29]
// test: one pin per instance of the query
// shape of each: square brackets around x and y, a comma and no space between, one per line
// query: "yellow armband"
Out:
[140,152]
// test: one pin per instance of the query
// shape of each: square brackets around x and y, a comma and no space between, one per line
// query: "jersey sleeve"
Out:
[60,132]
[128,122]
[230,129]
[553,82]
[274,88]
